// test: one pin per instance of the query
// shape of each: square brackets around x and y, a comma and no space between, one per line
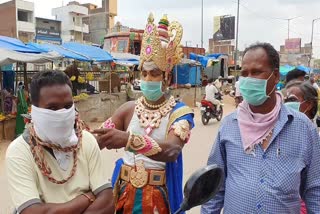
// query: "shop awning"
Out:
[60,50]
[9,57]
[16,45]
[91,52]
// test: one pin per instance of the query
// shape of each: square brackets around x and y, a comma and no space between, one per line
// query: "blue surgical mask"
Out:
[293,105]
[152,91]
[253,90]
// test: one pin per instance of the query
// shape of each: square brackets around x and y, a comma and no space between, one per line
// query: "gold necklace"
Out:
[151,119]
[151,106]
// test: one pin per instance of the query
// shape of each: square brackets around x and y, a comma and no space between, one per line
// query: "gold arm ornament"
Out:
[182,129]
[143,145]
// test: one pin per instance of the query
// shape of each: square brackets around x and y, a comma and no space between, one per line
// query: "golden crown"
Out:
[161,44]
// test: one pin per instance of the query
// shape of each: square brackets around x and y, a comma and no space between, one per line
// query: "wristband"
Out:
[91,200]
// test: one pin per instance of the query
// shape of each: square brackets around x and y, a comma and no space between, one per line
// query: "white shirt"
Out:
[237,86]
[211,90]
[217,83]
[315,85]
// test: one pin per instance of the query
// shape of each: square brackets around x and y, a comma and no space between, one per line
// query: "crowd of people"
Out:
[268,147]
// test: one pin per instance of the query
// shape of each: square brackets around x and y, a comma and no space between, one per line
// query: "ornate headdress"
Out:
[161,45]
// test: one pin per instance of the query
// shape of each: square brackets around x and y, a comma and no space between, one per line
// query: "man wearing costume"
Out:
[153,130]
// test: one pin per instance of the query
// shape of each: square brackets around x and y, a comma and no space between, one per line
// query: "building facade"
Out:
[196,50]
[100,20]
[71,17]
[224,47]
[123,39]
[17,20]
[48,31]
[292,53]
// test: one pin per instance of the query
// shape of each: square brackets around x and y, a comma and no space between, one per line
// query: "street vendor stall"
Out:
[12,124]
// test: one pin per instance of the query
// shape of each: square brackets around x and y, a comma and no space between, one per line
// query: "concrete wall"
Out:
[189,96]
[25,5]
[98,25]
[8,23]
[48,24]
[99,107]
[65,15]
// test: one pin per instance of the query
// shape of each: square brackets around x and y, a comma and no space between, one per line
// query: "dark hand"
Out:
[111,138]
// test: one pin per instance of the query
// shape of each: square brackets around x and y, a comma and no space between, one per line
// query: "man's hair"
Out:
[44,79]
[210,80]
[273,55]
[295,74]
[309,93]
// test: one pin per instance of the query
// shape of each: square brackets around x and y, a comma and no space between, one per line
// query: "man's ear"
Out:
[276,73]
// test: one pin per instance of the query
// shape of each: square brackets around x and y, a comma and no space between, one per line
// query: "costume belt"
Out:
[139,177]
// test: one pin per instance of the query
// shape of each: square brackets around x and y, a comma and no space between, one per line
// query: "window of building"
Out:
[52,28]
[22,16]
[122,45]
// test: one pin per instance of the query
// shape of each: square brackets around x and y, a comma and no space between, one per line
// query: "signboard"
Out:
[47,32]
[224,28]
[293,45]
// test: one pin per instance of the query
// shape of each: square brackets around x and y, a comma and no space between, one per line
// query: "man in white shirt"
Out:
[238,96]
[55,166]
[211,91]
[217,83]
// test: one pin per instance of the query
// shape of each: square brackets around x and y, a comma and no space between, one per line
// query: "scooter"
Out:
[209,111]
[201,187]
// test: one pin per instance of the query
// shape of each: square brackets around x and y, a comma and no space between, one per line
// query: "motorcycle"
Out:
[209,110]
[201,187]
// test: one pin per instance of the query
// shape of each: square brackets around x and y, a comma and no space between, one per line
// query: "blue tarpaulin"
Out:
[304,68]
[205,59]
[92,52]
[16,45]
[284,70]
[60,50]
[215,55]
[187,74]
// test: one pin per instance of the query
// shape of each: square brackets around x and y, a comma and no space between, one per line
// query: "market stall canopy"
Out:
[9,57]
[16,45]
[125,56]
[94,53]
[60,50]
[126,59]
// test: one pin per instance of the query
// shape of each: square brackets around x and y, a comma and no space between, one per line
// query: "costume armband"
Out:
[142,145]
[182,129]
[108,124]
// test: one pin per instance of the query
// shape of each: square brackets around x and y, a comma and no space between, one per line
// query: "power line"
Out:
[270,19]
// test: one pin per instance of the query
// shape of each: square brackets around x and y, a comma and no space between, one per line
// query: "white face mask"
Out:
[56,127]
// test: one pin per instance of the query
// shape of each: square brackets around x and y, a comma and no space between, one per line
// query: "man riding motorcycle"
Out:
[211,92]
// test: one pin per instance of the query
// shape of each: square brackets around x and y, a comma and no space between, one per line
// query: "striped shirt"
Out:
[270,181]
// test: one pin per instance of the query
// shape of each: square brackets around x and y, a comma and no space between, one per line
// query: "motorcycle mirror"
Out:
[202,186]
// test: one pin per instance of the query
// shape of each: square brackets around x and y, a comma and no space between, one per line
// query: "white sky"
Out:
[259,19]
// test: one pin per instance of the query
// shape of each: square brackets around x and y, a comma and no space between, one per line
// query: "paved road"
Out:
[195,154]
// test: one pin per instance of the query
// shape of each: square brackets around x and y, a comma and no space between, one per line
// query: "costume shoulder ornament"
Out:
[161,44]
